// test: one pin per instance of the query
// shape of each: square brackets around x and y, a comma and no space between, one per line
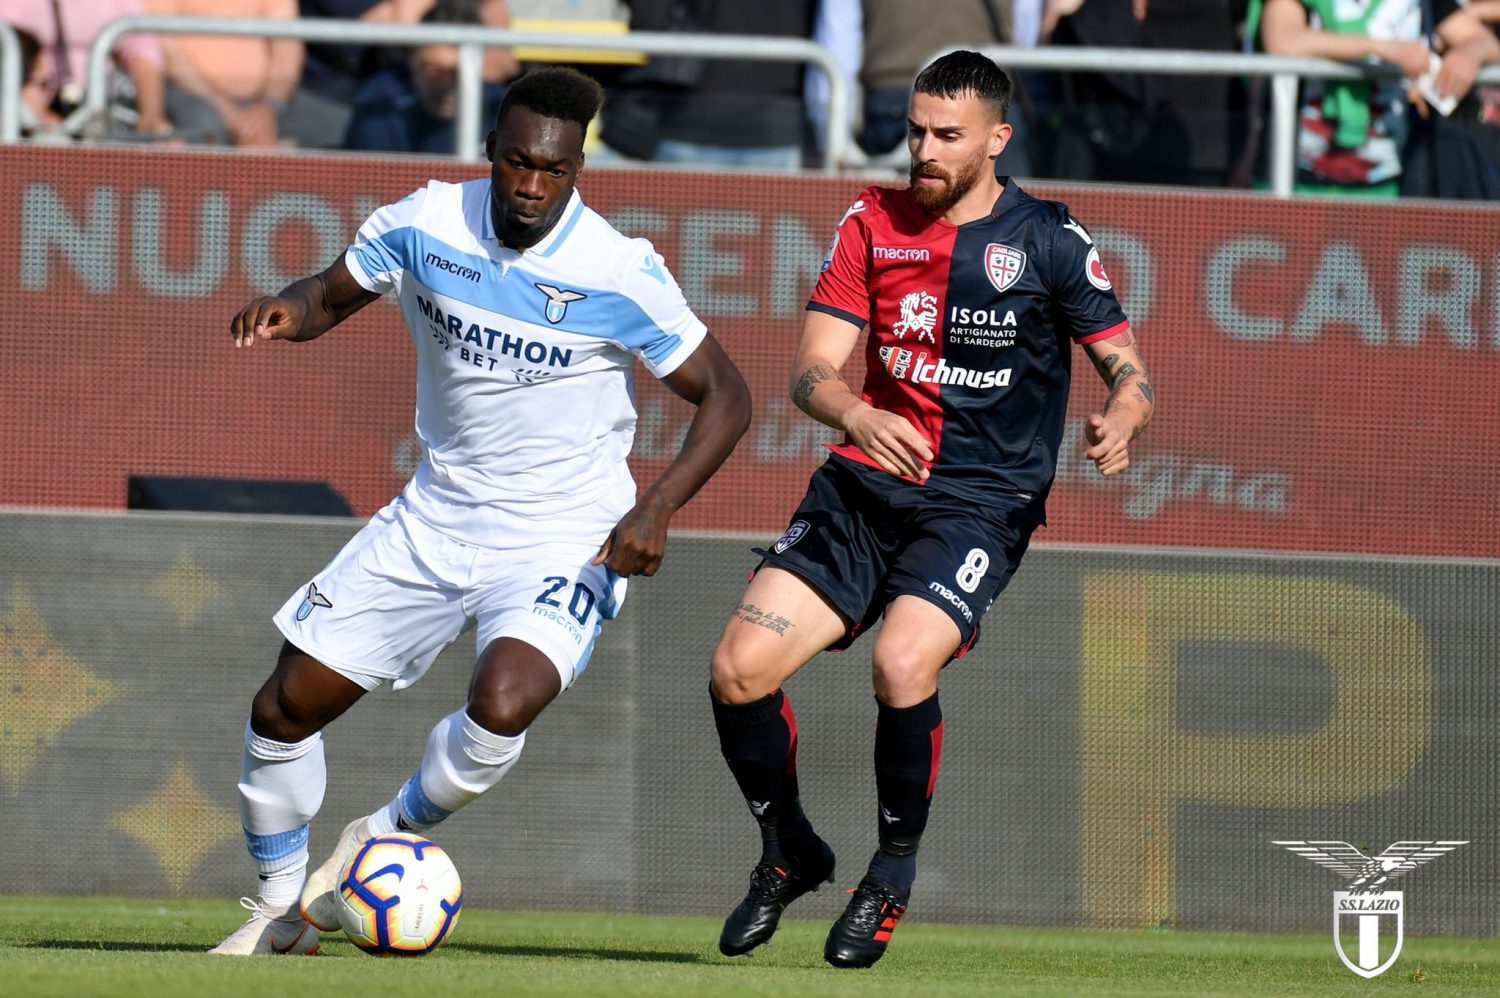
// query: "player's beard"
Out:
[937,200]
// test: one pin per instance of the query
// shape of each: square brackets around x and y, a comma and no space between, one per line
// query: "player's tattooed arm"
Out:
[1129,407]
[811,379]
[752,614]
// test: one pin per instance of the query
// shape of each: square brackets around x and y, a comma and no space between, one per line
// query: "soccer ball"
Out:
[399,894]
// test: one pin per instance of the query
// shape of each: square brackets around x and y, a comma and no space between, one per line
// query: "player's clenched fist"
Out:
[1108,446]
[891,440]
[267,319]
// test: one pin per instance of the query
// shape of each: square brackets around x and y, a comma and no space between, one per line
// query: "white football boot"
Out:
[268,931]
[321,889]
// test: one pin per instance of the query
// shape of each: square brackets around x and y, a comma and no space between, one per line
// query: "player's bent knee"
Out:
[504,712]
[275,716]
[737,677]
[903,677]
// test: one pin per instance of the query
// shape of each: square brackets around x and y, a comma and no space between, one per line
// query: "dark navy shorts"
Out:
[862,537]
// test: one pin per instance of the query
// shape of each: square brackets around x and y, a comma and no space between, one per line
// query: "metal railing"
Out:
[1283,72]
[10,84]
[471,42]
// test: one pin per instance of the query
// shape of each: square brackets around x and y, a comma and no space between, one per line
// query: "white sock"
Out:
[281,788]
[462,761]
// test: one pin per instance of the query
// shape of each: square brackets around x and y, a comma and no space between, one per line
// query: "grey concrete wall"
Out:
[1130,735]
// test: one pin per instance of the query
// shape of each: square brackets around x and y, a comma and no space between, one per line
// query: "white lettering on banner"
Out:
[1424,271]
[1218,287]
[91,248]
[701,262]
[1340,294]
[149,249]
[1435,296]
[1436,288]
[1154,481]
[795,259]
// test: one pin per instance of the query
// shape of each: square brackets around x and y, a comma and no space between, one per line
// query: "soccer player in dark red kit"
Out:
[973,292]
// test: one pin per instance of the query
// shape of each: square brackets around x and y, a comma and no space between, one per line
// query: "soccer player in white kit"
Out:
[527,311]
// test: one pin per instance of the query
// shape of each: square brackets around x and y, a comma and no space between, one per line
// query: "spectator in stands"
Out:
[37,117]
[1142,128]
[223,88]
[712,111]
[838,25]
[412,107]
[64,32]
[320,113]
[1479,112]
[899,38]
[1353,133]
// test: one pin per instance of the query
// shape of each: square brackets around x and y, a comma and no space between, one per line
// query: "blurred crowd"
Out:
[1425,129]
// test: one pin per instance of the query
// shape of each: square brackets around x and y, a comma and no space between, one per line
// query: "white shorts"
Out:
[400,592]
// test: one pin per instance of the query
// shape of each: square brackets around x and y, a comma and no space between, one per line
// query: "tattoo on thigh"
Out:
[752,614]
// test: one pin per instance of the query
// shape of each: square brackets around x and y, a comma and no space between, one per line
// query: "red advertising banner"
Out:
[1327,372]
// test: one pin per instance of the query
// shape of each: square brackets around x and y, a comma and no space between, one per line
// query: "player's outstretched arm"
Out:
[1131,402]
[820,391]
[303,310]
[709,380]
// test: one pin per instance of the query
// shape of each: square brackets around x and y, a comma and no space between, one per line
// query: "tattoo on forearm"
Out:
[1106,365]
[812,378]
[752,614]
[1127,370]
[1148,394]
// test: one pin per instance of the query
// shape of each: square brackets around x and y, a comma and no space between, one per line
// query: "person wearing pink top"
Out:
[64,32]
[230,88]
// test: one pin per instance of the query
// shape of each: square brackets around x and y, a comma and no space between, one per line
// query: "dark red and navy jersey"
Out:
[971,329]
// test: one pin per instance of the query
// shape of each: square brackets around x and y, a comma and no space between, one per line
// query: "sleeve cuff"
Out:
[1103,334]
[850,317]
[357,271]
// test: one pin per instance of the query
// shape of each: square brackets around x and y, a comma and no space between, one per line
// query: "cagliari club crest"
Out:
[792,536]
[1004,265]
[1372,912]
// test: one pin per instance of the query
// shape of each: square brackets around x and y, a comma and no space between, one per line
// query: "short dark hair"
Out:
[555,92]
[963,72]
[453,12]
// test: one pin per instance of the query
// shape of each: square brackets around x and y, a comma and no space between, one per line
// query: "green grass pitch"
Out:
[116,946]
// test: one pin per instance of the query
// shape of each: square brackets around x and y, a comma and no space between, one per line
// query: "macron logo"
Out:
[456,269]
[952,597]
[901,253]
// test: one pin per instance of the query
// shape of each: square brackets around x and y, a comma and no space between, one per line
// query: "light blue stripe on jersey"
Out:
[605,314]
[268,848]
[567,229]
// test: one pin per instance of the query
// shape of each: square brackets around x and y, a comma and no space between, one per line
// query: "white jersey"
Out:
[525,406]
